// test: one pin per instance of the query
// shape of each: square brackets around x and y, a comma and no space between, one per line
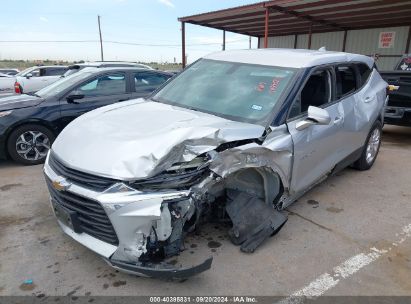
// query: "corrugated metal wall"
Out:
[366,42]
[281,42]
[358,41]
[302,41]
[333,41]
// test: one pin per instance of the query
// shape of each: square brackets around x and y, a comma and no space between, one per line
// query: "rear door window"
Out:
[54,71]
[346,82]
[42,72]
[364,73]
[149,81]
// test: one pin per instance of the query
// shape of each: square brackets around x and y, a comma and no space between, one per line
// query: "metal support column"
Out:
[183,44]
[310,36]
[407,47]
[344,40]
[267,16]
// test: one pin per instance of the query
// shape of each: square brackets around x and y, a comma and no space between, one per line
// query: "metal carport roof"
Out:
[293,17]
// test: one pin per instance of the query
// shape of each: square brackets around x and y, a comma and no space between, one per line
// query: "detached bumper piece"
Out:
[162,270]
[253,221]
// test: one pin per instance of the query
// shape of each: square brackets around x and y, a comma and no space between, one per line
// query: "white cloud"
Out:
[167,3]
[44,19]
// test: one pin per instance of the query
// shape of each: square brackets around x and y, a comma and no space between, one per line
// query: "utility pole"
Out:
[101,40]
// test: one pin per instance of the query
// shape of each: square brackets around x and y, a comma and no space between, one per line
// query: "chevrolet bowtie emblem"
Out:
[60,183]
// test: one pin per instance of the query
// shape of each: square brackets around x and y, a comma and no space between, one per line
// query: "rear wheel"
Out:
[29,144]
[371,148]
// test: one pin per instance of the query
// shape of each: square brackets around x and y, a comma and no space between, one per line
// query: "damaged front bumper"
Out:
[160,270]
[144,225]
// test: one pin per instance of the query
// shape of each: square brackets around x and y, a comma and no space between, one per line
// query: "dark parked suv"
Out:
[30,123]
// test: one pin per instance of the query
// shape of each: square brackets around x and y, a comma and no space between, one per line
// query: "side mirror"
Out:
[316,116]
[29,75]
[74,97]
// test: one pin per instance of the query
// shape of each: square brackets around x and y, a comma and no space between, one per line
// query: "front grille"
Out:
[86,180]
[93,219]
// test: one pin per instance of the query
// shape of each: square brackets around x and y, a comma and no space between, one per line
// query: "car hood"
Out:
[139,138]
[19,101]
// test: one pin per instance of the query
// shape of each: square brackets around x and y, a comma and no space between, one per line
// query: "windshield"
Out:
[62,84]
[237,91]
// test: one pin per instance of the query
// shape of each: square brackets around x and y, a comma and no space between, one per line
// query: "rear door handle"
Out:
[124,99]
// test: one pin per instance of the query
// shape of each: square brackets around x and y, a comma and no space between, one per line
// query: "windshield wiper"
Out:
[174,104]
[192,109]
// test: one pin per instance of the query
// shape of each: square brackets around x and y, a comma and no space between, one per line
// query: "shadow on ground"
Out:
[399,136]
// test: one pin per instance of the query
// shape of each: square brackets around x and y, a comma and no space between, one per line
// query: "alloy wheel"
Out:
[32,145]
[373,145]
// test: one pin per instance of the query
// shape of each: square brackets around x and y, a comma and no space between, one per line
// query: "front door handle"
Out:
[338,119]
[368,99]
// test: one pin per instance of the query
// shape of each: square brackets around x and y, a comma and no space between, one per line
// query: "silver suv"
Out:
[237,136]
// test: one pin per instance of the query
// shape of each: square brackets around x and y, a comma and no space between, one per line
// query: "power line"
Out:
[47,41]
[115,42]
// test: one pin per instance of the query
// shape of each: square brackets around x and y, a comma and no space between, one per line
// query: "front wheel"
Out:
[29,144]
[371,148]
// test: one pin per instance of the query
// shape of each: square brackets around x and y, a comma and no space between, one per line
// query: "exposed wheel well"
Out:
[261,182]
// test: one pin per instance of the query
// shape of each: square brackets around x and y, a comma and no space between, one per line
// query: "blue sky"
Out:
[135,21]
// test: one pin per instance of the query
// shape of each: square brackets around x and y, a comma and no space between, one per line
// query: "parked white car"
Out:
[6,84]
[38,77]
[9,71]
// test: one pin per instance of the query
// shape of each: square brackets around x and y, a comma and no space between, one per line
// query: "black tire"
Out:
[365,162]
[37,148]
